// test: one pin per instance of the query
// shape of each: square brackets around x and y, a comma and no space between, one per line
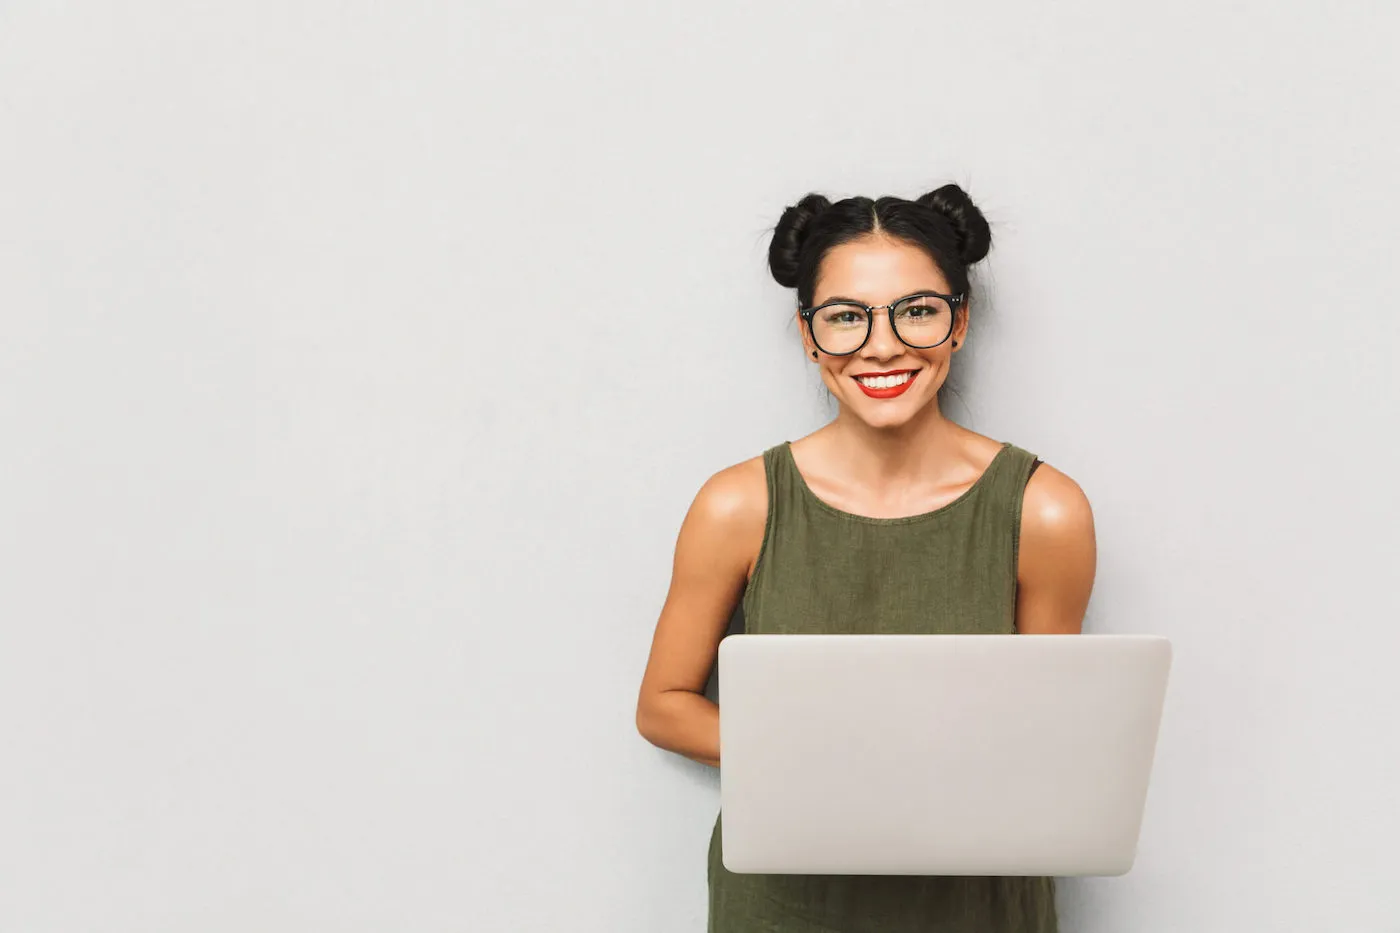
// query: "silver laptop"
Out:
[937,754]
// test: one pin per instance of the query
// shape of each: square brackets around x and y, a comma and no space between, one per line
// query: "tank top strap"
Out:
[1006,487]
[785,518]
[784,483]
[1014,470]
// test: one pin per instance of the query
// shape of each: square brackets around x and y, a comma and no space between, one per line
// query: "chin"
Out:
[886,419]
[894,413]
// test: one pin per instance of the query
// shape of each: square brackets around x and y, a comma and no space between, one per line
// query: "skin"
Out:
[884,458]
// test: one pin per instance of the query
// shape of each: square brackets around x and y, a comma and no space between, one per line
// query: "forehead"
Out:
[876,270]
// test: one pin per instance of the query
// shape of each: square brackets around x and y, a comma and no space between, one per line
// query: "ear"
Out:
[960,324]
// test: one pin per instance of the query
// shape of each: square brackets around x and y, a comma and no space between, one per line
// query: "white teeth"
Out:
[884,382]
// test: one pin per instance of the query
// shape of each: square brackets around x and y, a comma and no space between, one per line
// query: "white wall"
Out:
[360,361]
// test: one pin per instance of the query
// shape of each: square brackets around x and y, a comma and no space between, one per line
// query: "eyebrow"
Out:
[922,291]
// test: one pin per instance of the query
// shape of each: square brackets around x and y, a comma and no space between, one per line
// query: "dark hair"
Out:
[944,222]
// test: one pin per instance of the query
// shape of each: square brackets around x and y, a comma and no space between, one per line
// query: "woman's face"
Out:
[877,270]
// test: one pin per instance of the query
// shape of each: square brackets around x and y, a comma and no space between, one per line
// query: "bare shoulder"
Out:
[726,522]
[1057,556]
[1054,505]
[1056,553]
[735,496]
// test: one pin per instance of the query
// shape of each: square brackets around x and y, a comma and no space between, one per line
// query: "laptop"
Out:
[937,754]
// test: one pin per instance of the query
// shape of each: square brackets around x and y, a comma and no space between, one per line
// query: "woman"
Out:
[891,518]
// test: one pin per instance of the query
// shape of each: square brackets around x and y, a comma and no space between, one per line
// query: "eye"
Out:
[842,316]
[922,309]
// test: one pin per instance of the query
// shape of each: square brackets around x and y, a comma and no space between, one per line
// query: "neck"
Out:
[913,449]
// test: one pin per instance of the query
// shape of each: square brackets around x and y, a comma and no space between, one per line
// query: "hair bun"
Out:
[785,251]
[974,235]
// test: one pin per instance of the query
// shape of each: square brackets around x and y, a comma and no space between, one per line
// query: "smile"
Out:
[886,385]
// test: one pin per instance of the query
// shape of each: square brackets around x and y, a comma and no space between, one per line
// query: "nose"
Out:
[883,344]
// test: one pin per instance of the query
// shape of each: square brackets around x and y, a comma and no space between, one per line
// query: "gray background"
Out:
[360,361]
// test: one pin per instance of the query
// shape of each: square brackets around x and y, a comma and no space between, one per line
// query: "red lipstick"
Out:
[893,391]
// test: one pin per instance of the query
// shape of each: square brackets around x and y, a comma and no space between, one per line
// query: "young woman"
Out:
[891,518]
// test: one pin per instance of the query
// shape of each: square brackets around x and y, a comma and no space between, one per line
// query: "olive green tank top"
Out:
[822,570]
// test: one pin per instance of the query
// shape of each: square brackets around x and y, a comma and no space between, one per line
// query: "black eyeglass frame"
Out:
[954,301]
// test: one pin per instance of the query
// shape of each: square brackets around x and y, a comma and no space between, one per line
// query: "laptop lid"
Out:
[937,754]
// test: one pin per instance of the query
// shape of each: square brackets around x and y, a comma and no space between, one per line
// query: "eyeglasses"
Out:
[922,321]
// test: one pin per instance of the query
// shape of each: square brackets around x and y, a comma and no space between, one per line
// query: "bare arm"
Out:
[715,551]
[1057,555]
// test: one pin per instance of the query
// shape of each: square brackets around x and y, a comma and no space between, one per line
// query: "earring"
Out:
[814,354]
[955,343]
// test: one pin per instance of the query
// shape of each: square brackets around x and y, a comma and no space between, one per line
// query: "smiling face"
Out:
[885,383]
